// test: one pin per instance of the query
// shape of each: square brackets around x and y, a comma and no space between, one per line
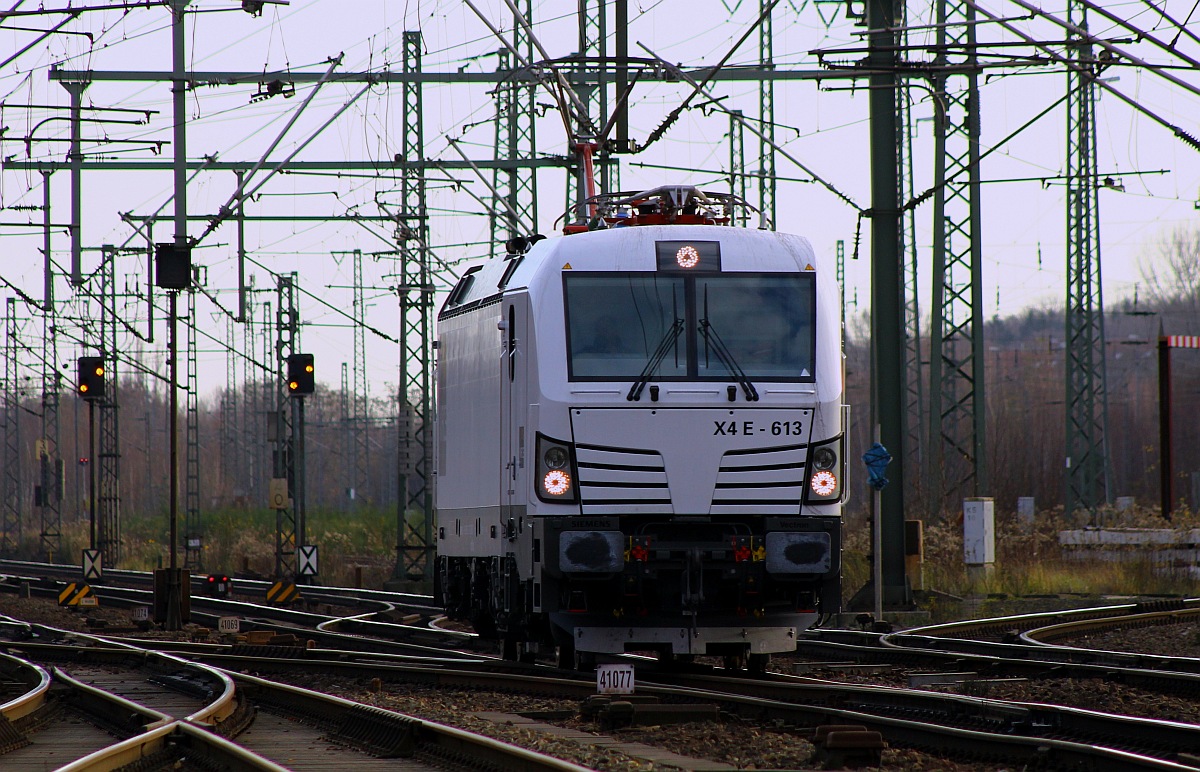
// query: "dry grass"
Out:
[359,547]
[1030,563]
[356,547]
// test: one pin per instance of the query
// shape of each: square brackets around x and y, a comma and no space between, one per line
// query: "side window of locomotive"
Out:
[616,322]
[512,343]
[766,321]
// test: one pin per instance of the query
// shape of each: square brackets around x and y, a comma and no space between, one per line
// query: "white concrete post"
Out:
[1025,513]
[979,535]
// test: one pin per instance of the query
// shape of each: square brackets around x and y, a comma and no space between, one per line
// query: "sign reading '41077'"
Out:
[614,679]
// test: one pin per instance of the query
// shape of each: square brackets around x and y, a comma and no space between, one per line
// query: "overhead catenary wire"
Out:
[1178,131]
[760,134]
[1085,35]
[239,195]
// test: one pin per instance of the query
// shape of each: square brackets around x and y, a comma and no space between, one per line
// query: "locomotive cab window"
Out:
[702,326]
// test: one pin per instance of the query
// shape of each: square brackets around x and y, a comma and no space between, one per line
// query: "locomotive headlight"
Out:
[687,257]
[826,470]
[823,483]
[824,458]
[556,457]
[555,481]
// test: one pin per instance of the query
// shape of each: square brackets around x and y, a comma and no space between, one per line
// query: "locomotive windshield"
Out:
[702,327]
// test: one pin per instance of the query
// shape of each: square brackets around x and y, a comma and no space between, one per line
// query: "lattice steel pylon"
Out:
[348,465]
[415,549]
[737,164]
[593,97]
[766,114]
[957,463]
[361,395]
[108,495]
[1086,388]
[268,396]
[10,485]
[51,530]
[914,414]
[253,412]
[193,537]
[515,207]
[287,338]
[230,463]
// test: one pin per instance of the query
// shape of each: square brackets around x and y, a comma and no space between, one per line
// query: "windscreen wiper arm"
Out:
[713,339]
[666,344]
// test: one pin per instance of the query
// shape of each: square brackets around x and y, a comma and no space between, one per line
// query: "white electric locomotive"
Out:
[640,437]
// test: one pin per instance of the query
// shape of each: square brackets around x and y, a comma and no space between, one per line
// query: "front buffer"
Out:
[731,586]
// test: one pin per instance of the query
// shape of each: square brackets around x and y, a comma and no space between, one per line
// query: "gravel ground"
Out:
[1181,640]
[731,741]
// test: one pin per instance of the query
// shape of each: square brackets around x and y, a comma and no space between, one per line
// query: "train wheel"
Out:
[733,661]
[757,663]
[568,657]
[669,659]
[564,656]
[511,649]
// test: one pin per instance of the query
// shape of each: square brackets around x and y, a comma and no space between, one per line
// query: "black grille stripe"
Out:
[620,467]
[762,468]
[622,451]
[767,484]
[656,485]
[765,451]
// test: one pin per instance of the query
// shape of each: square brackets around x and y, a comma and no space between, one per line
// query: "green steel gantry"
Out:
[957,450]
[415,401]
[1086,392]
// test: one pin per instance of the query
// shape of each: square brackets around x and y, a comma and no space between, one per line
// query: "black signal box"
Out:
[89,377]
[172,266]
[301,374]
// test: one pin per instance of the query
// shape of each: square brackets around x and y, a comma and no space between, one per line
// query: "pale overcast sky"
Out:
[1023,232]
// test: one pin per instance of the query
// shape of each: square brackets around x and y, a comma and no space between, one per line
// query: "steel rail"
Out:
[366,727]
[17,569]
[370,725]
[34,699]
[893,712]
[177,740]
[1045,635]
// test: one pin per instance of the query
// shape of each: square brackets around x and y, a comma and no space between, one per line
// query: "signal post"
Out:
[89,385]
[301,381]
[172,585]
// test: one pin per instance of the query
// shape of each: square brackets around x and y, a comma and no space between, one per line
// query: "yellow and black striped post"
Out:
[73,593]
[283,592]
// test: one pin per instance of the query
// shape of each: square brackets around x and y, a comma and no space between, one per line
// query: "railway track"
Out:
[984,730]
[103,705]
[1048,736]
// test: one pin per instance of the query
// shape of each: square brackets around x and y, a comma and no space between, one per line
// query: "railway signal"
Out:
[89,380]
[300,374]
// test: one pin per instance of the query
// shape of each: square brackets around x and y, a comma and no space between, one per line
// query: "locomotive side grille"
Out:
[622,480]
[762,480]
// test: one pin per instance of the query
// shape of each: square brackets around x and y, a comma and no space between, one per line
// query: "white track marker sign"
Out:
[308,560]
[93,564]
[614,679]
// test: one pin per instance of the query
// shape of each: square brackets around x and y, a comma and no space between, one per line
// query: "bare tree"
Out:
[1173,280]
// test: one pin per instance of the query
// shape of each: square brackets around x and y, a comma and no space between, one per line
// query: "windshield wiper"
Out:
[666,344]
[713,339]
